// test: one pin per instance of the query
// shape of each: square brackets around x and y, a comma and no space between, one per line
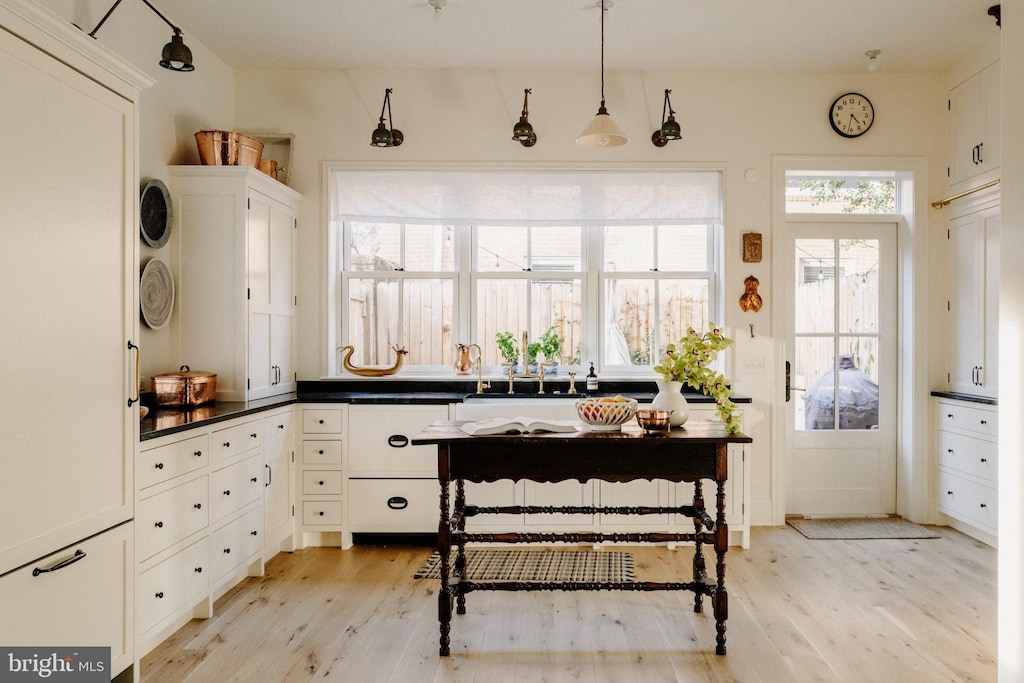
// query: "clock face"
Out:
[851,115]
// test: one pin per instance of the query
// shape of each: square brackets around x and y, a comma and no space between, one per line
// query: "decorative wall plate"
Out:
[156,294]
[155,215]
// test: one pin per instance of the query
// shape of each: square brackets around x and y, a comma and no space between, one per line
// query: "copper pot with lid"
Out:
[185,388]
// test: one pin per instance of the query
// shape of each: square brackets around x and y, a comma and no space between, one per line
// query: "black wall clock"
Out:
[851,115]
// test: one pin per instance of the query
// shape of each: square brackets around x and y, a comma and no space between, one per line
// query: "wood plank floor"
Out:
[799,610]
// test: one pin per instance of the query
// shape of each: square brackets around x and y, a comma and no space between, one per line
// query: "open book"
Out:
[517,425]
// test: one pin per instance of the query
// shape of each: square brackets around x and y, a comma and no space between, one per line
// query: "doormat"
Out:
[537,565]
[860,528]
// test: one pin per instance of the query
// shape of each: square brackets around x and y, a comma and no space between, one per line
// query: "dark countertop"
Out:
[164,421]
[971,398]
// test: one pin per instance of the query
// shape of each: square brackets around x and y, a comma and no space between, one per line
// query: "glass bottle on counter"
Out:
[591,378]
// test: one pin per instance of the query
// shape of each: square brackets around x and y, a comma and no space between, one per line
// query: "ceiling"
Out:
[769,35]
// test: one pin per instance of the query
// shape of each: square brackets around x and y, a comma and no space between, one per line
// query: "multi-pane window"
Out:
[616,289]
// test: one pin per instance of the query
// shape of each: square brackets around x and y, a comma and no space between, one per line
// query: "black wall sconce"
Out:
[383,136]
[523,131]
[176,56]
[669,127]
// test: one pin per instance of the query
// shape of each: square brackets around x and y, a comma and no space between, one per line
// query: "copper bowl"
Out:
[226,148]
[653,420]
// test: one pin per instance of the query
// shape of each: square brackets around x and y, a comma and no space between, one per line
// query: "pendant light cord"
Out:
[603,10]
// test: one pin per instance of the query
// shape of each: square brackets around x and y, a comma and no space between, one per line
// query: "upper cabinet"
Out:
[236,278]
[974,119]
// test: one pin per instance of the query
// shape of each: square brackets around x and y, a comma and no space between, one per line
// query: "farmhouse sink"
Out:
[519,397]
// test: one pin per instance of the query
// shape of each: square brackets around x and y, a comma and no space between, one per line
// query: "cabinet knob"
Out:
[227,444]
[949,493]
[253,435]
[227,493]
[949,416]
[984,506]
[198,570]
[321,421]
[159,525]
[253,533]
[950,451]
[984,422]
[320,452]
[253,480]
[984,459]
[321,513]
[280,426]
[227,551]
[159,465]
[160,595]
[198,454]
[321,482]
[198,506]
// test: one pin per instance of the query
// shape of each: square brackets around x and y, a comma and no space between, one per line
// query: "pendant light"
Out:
[602,130]
[523,131]
[175,56]
[383,136]
[670,129]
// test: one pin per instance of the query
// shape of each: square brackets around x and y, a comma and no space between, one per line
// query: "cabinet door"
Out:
[379,439]
[67,296]
[967,123]
[973,302]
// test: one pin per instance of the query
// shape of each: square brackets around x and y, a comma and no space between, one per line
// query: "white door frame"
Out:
[914,498]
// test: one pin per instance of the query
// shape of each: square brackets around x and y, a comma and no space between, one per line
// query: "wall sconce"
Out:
[176,56]
[669,127]
[872,56]
[383,136]
[523,131]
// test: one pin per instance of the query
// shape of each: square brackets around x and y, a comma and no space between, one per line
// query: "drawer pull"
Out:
[949,415]
[253,533]
[79,554]
[159,525]
[321,513]
[398,441]
[398,503]
[950,451]
[198,570]
[320,452]
[984,422]
[984,506]
[320,421]
[159,465]
[198,454]
[253,435]
[254,480]
[321,482]
[227,551]
[227,444]
[198,506]
[227,493]
[984,459]
[949,493]
[270,476]
[160,595]
[280,426]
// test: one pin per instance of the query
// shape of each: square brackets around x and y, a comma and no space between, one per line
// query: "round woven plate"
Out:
[155,215]
[156,293]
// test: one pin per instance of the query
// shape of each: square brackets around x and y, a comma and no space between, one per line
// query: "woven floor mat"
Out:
[858,528]
[538,565]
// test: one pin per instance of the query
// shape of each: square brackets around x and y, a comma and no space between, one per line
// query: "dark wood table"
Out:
[693,454]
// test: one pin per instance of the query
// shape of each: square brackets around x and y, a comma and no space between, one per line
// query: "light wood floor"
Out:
[799,610]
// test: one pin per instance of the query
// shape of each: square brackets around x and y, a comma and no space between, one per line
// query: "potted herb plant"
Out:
[508,348]
[551,347]
[689,362]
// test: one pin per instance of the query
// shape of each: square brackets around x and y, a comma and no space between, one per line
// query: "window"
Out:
[851,192]
[617,264]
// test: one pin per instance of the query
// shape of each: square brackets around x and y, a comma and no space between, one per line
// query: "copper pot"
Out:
[226,148]
[271,168]
[186,388]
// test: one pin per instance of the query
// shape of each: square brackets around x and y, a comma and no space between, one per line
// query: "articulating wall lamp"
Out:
[602,131]
[176,55]
[382,135]
[523,131]
[669,127]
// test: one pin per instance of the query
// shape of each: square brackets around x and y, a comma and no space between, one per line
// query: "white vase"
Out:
[670,397]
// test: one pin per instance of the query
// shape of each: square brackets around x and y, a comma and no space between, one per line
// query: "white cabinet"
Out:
[974,116]
[278,456]
[321,480]
[392,484]
[235,287]
[967,445]
[973,246]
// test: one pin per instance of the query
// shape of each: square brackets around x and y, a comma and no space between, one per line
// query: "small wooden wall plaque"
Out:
[752,247]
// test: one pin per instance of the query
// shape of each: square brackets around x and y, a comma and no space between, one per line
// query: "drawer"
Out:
[978,457]
[174,515]
[958,416]
[174,583]
[235,486]
[229,442]
[321,482]
[279,429]
[321,452]
[393,505]
[321,420]
[379,440]
[321,512]
[968,500]
[233,544]
[166,462]
[87,602]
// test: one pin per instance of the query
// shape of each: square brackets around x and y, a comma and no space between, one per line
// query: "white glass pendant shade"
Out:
[602,131]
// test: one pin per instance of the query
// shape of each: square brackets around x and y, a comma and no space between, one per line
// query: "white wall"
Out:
[739,119]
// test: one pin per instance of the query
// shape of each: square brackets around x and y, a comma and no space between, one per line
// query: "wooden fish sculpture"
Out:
[347,352]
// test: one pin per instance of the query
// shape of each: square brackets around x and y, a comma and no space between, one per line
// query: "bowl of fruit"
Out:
[607,413]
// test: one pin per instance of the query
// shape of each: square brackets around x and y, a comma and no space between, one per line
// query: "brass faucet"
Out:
[511,378]
[480,385]
[572,383]
[540,390]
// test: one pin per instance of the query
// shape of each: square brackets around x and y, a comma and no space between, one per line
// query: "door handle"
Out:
[788,379]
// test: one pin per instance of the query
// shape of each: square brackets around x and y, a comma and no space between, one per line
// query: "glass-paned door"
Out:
[841,408]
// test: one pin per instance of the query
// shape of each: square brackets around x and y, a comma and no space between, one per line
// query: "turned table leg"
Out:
[460,542]
[699,567]
[721,599]
[444,547]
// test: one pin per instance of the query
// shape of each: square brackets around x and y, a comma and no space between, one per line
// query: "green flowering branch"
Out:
[689,361]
